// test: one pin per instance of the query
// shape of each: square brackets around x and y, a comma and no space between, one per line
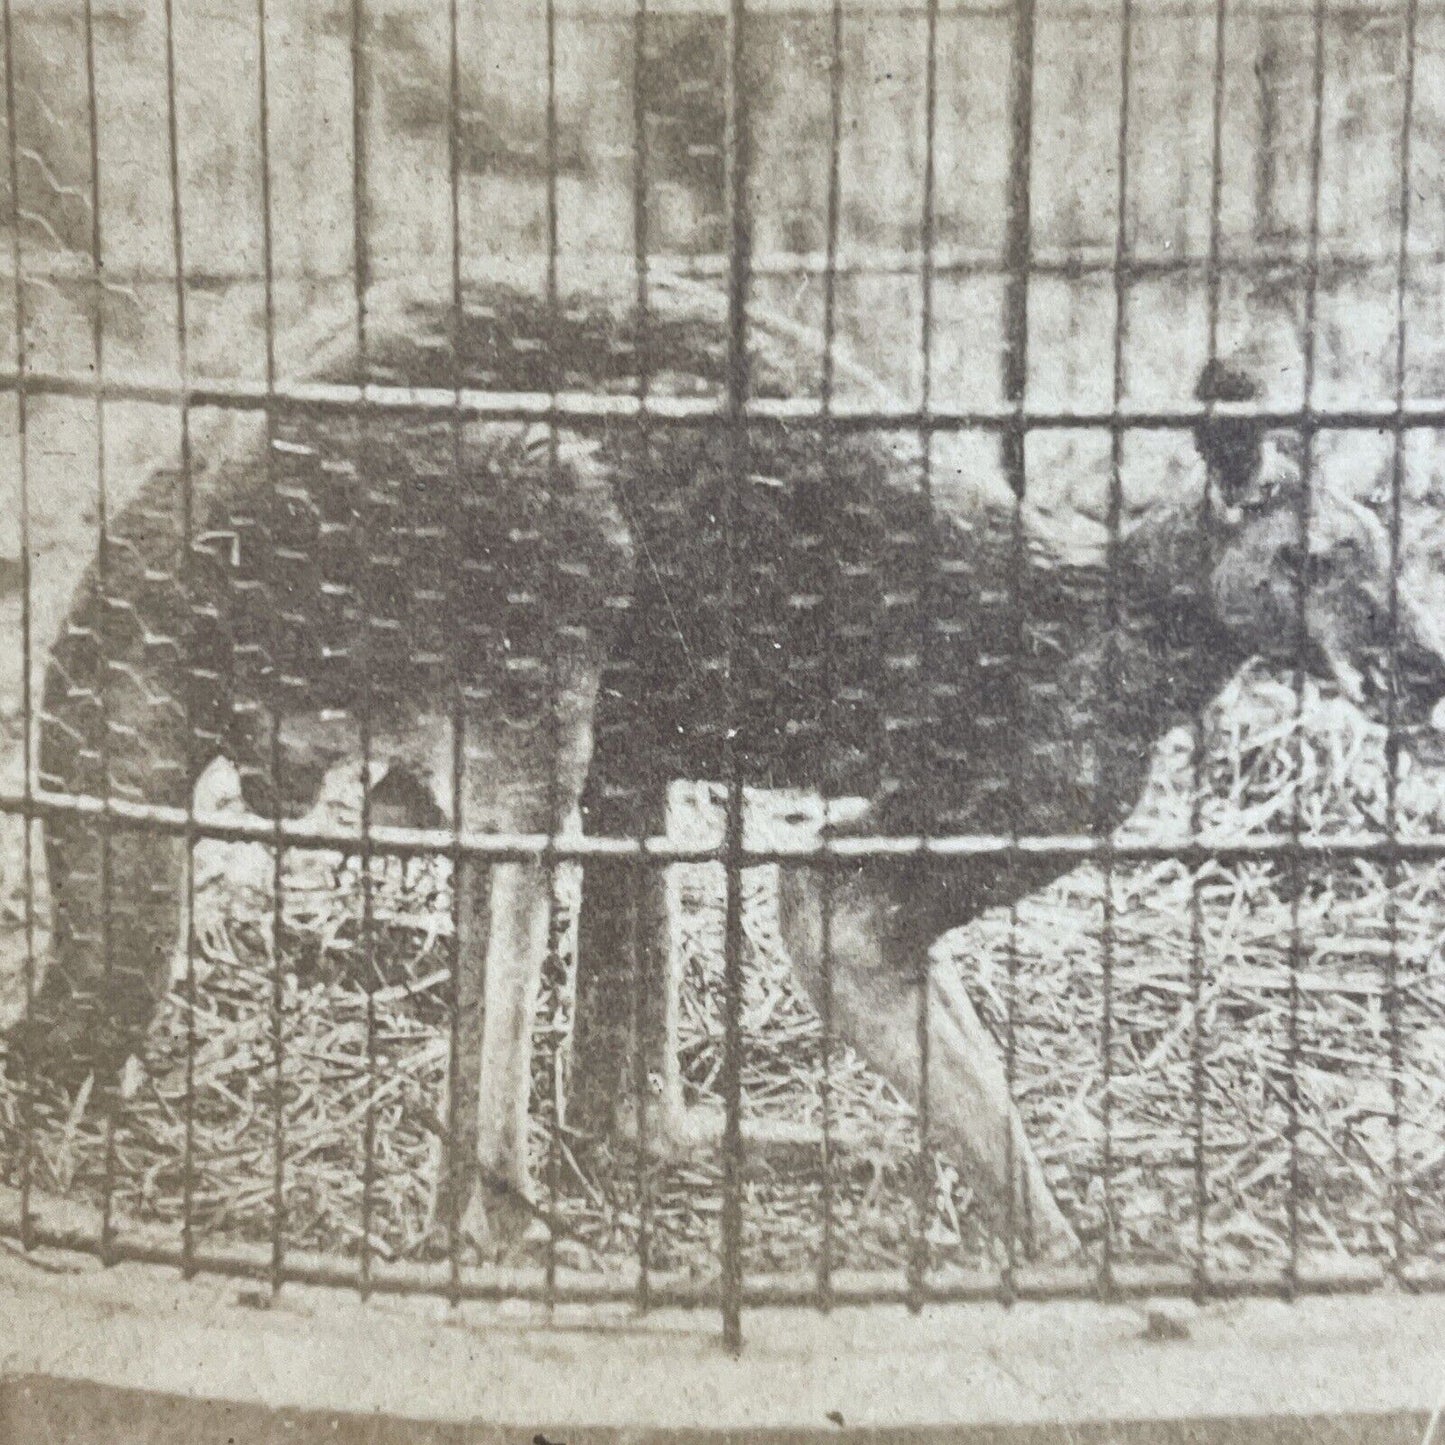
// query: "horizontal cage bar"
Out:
[564,847]
[851,1287]
[583,408]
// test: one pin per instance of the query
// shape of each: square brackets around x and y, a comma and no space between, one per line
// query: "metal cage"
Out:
[1019,83]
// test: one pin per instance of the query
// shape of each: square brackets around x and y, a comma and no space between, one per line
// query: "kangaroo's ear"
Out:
[1224,381]
[1230,445]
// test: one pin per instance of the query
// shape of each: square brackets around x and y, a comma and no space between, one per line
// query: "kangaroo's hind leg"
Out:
[878,952]
[515,778]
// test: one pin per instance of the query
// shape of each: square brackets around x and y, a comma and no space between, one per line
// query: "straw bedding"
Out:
[1293,1049]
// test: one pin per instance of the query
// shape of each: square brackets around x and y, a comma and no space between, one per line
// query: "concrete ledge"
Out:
[134,1354]
[39,1409]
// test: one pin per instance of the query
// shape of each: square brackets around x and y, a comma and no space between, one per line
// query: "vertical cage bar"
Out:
[361,257]
[1007,1286]
[1104,781]
[1304,511]
[27,701]
[1018,248]
[825,875]
[278,997]
[1018,243]
[640,879]
[1212,269]
[924,1182]
[1197,743]
[553,510]
[642,1176]
[178,261]
[739,234]
[1399,1258]
[102,572]
[449,1161]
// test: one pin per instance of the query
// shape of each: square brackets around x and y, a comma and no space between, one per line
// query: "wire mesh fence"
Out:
[482,478]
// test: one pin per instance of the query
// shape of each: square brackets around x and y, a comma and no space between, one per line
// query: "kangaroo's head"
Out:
[1302,572]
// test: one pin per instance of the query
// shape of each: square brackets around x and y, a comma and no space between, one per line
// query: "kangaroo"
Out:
[538,621]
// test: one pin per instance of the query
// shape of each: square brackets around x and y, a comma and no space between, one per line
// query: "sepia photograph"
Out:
[722,720]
